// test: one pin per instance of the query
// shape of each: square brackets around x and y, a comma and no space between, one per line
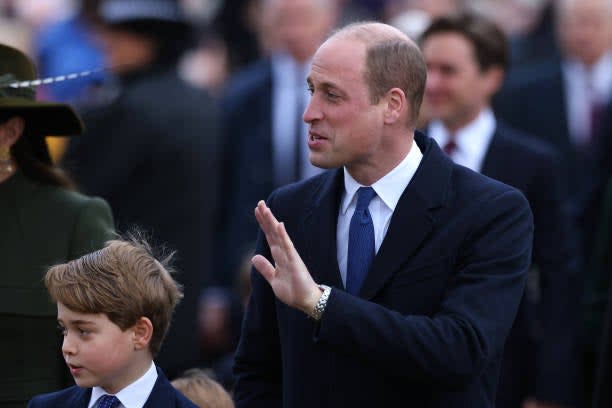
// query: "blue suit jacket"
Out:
[430,321]
[543,338]
[248,173]
[164,395]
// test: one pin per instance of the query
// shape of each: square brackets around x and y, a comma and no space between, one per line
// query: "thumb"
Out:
[264,267]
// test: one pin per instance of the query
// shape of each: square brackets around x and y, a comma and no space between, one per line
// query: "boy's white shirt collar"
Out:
[134,395]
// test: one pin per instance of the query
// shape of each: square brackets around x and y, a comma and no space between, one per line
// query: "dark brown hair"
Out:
[488,40]
[32,156]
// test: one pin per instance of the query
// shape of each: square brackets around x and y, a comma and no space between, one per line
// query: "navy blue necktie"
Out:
[361,248]
[108,401]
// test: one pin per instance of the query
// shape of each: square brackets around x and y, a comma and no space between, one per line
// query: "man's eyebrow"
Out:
[325,84]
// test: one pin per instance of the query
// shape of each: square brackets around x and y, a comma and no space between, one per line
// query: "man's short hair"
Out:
[488,40]
[124,281]
[392,61]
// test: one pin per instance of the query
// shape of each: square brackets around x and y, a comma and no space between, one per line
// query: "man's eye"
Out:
[310,90]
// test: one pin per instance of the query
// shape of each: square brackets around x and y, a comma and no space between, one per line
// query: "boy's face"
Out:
[97,351]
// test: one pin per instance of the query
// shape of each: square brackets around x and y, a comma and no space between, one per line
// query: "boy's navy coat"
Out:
[163,395]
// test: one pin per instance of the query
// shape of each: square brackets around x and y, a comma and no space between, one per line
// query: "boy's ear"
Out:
[143,331]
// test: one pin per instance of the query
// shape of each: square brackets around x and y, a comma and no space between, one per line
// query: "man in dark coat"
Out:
[421,263]
[151,151]
[466,57]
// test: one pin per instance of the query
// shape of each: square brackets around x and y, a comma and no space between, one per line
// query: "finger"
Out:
[263,224]
[285,240]
[267,222]
[264,267]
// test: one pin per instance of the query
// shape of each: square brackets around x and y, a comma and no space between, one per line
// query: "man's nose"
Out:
[312,111]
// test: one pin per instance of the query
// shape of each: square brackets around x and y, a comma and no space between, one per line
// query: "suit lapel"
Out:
[494,162]
[80,398]
[413,219]
[162,395]
[320,225]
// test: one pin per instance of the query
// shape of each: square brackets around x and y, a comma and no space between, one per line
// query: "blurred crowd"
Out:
[194,114]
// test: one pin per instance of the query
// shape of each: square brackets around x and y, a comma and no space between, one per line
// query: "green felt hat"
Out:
[18,97]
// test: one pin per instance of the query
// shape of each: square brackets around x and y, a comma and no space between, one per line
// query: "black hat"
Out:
[161,20]
[128,11]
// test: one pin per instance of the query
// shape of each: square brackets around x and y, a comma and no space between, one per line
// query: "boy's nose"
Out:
[68,346]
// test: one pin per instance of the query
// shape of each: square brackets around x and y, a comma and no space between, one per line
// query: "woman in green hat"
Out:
[43,221]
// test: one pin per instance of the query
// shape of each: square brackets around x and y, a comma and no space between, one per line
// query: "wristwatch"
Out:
[319,308]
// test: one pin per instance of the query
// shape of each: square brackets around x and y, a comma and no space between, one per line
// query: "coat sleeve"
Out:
[93,227]
[475,314]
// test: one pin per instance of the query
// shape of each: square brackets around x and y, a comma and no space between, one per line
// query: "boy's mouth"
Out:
[75,369]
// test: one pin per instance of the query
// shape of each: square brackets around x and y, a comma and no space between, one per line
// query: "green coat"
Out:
[40,226]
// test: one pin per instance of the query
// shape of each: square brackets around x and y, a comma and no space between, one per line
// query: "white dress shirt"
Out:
[134,395]
[388,192]
[584,85]
[472,140]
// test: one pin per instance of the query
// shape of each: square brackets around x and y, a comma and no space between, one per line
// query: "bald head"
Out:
[585,29]
[566,6]
[371,33]
[392,60]
[298,26]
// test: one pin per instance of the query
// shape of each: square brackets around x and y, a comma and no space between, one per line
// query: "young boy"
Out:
[202,389]
[114,307]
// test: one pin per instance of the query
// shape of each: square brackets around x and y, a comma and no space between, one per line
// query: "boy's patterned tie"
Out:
[361,249]
[108,401]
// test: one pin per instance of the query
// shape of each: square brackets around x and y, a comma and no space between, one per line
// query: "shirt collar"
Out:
[284,69]
[391,186]
[599,75]
[469,139]
[134,395]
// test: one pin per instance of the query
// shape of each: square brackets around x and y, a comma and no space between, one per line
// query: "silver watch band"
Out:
[319,308]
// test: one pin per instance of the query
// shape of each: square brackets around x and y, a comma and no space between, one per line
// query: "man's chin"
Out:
[322,164]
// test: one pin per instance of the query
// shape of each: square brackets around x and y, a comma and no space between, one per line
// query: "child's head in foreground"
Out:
[202,389]
[114,307]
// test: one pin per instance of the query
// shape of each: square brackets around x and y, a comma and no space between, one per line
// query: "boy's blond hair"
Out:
[122,280]
[202,389]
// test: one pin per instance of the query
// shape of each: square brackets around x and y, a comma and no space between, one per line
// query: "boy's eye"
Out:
[61,330]
[83,332]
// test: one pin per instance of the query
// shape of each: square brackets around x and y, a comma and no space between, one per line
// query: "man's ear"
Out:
[143,331]
[396,104]
[13,129]
[493,80]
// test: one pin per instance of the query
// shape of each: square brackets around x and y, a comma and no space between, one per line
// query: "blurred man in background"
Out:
[466,56]
[151,151]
